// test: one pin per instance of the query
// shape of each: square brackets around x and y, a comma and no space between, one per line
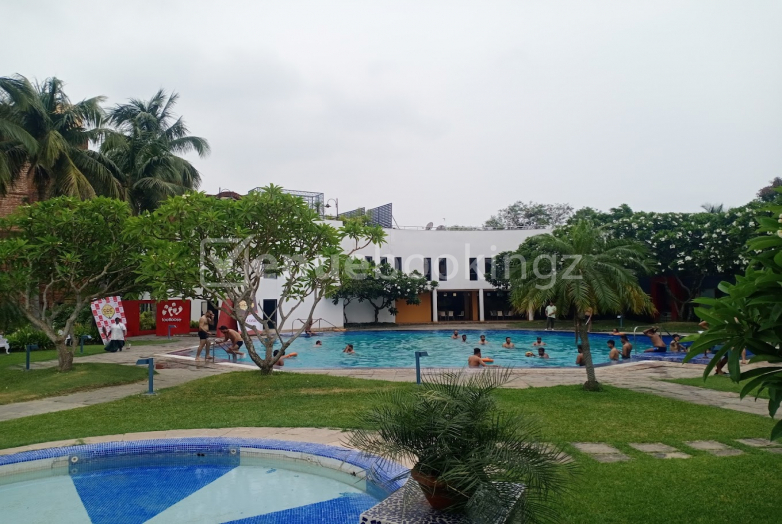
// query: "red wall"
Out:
[172,313]
[131,308]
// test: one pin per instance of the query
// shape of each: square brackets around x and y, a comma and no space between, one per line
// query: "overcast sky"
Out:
[450,110]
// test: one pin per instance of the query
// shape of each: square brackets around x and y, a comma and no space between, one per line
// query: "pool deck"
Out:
[641,376]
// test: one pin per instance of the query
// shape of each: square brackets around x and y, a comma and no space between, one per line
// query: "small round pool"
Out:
[396,349]
[208,481]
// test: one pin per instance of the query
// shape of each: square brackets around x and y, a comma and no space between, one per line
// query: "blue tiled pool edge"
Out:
[385,477]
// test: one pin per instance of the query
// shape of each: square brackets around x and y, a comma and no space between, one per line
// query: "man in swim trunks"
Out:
[475,360]
[203,333]
[233,336]
[627,347]
[658,346]
[455,335]
[483,341]
[349,350]
[542,352]
[280,363]
[464,338]
[508,344]
[539,342]
[613,353]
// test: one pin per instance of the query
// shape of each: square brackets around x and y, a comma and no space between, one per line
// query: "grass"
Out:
[608,325]
[701,489]
[717,382]
[151,342]
[17,385]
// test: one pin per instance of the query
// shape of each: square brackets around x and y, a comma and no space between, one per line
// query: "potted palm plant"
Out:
[462,444]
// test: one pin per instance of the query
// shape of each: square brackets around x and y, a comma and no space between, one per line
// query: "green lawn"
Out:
[718,382]
[17,385]
[154,341]
[701,489]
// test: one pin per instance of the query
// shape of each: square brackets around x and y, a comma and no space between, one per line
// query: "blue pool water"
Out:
[195,488]
[395,349]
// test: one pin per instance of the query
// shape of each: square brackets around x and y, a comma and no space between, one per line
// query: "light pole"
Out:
[336,204]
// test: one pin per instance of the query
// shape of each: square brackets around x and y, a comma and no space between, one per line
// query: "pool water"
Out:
[396,349]
[184,489]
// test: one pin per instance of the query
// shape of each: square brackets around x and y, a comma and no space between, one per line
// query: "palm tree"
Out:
[715,209]
[590,271]
[145,148]
[44,138]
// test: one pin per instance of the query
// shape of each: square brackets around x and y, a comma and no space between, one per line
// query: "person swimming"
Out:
[539,342]
[483,340]
[318,344]
[464,338]
[508,344]
[455,335]
[349,350]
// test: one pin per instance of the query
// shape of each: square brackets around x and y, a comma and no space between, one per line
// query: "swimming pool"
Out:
[207,481]
[395,349]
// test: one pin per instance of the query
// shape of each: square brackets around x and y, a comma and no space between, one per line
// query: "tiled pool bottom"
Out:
[193,480]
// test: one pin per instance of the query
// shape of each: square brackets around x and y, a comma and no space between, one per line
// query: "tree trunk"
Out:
[591,384]
[377,313]
[64,356]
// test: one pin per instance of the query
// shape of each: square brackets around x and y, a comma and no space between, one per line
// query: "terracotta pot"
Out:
[438,494]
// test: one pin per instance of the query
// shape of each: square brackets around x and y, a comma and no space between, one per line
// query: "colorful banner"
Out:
[104,311]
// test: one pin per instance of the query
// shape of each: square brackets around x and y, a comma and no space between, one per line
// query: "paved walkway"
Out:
[645,377]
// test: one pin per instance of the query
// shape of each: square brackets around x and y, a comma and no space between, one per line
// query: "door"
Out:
[270,311]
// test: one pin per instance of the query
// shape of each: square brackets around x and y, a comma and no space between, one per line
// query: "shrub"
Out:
[146,321]
[193,324]
[19,339]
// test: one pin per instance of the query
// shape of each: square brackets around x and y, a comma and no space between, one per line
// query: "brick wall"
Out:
[21,192]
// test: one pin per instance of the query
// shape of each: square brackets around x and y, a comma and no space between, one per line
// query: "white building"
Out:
[456,259]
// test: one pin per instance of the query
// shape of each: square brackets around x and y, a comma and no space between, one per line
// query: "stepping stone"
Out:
[717,449]
[660,450]
[601,452]
[760,443]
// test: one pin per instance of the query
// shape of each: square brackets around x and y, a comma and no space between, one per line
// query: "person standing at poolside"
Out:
[203,334]
[658,346]
[613,353]
[508,344]
[455,335]
[627,347]
[539,342]
[551,315]
[476,360]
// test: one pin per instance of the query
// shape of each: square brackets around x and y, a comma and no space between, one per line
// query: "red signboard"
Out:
[173,313]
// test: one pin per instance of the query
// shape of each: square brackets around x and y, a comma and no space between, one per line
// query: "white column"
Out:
[480,305]
[434,305]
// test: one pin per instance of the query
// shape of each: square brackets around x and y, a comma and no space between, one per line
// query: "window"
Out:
[473,269]
[442,269]
[398,263]
[428,268]
[487,263]
[383,260]
[370,260]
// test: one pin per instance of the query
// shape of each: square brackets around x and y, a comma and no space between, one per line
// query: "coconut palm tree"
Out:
[714,209]
[578,269]
[44,138]
[146,146]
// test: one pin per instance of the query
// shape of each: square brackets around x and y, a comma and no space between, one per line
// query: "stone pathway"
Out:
[602,452]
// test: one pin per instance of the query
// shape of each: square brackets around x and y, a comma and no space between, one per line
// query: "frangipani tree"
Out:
[63,253]
[218,250]
[382,286]
[580,270]
[749,316]
[687,247]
